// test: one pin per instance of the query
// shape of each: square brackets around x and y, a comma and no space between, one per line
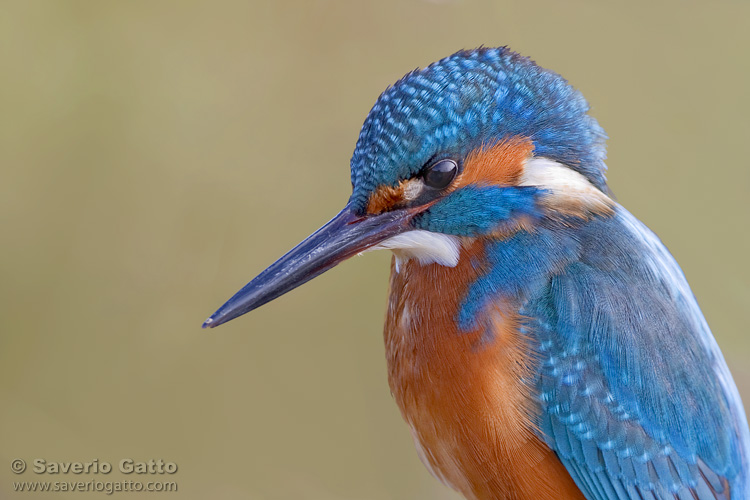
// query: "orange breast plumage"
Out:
[466,394]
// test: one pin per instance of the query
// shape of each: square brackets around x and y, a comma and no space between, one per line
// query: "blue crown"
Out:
[468,99]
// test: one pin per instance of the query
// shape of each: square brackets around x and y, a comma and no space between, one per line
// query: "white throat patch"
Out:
[425,246]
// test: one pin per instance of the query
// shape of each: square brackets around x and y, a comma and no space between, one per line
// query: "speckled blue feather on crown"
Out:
[467,99]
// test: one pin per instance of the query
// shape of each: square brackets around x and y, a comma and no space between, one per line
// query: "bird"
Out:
[541,342]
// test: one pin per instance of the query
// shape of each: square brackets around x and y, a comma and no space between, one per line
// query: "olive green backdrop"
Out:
[156,155]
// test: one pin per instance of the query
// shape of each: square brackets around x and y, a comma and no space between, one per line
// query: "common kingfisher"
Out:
[541,341]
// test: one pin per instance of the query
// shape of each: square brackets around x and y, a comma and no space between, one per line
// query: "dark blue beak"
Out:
[345,235]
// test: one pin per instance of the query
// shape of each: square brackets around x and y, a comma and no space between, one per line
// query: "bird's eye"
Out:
[440,174]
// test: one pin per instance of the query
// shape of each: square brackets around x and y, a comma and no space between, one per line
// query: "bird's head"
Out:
[481,144]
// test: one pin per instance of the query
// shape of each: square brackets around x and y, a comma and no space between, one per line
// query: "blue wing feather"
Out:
[637,400]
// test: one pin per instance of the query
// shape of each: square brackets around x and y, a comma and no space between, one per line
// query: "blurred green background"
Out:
[156,155]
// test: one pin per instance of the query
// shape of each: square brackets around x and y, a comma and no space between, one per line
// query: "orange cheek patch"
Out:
[499,165]
[385,197]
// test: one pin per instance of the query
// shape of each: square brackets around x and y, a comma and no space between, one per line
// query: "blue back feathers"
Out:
[636,398]
[473,97]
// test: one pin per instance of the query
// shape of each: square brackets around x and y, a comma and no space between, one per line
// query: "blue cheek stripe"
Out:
[478,210]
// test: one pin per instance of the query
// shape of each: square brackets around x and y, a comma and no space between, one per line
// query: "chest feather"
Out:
[465,394]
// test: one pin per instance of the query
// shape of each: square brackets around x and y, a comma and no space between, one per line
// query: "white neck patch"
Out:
[424,246]
[570,192]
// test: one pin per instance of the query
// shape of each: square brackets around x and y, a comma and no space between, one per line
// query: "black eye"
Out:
[440,174]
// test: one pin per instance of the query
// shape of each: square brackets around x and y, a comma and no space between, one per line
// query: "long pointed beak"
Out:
[345,235]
